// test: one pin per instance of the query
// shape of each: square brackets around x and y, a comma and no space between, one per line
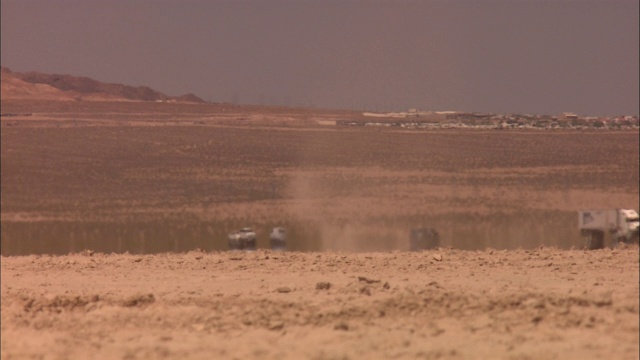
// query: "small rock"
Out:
[437,257]
[367,280]
[534,303]
[139,300]
[341,326]
[601,299]
[323,285]
[137,259]
[283,289]
[276,326]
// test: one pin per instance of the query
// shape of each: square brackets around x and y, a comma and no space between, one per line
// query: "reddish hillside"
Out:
[67,87]
[16,88]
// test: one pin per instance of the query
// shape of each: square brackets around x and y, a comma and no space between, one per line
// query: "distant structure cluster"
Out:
[414,119]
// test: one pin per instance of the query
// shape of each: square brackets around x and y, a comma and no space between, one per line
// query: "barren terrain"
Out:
[512,304]
[115,216]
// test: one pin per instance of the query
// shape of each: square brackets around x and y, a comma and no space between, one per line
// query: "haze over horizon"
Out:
[540,57]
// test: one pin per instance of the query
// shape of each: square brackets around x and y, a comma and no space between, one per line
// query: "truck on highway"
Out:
[620,224]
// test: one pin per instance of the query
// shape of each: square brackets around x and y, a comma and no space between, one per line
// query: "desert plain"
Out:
[115,217]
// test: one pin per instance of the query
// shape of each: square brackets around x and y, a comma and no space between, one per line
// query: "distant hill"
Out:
[35,85]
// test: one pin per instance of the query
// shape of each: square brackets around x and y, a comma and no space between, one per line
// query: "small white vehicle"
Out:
[278,239]
[621,224]
[245,239]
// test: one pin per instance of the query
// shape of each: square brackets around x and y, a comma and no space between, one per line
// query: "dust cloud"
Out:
[309,205]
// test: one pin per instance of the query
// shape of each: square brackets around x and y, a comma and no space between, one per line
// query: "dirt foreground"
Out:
[510,304]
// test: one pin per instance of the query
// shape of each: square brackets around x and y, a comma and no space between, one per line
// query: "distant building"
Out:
[568,116]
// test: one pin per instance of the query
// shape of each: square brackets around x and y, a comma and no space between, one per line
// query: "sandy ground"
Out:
[511,304]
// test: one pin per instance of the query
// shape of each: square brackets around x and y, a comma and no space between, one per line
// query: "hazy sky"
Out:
[532,56]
